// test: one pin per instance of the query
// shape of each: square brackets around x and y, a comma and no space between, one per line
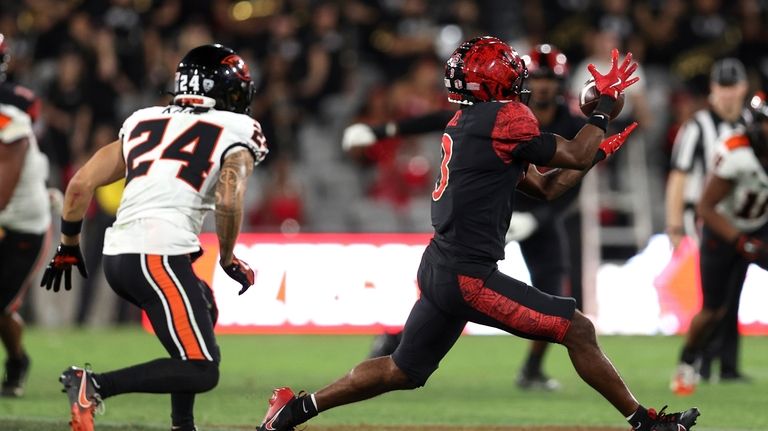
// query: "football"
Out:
[589,96]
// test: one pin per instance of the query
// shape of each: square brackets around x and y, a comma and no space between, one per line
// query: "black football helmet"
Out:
[214,76]
[5,57]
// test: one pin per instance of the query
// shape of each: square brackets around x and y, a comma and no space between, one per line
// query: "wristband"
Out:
[599,156]
[605,104]
[71,228]
[598,119]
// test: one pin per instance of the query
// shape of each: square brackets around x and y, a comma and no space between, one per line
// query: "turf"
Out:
[473,389]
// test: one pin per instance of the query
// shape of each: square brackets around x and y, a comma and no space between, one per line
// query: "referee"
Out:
[692,155]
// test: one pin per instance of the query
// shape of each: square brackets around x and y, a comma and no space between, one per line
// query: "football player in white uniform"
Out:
[24,217]
[179,162]
[734,208]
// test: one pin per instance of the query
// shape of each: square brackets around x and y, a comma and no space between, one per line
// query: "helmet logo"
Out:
[207,84]
[238,66]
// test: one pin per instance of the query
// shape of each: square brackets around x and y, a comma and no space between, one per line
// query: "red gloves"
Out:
[613,83]
[612,143]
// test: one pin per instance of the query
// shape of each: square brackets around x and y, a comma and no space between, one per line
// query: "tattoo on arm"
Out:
[230,191]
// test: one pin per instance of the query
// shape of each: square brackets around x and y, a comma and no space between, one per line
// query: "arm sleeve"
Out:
[687,141]
[434,122]
[538,150]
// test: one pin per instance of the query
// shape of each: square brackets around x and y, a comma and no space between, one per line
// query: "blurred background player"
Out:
[24,216]
[178,160]
[489,148]
[536,224]
[734,211]
[692,157]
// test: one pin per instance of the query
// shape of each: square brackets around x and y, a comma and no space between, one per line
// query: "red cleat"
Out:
[281,397]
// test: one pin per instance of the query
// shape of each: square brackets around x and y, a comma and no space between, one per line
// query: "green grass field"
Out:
[473,389]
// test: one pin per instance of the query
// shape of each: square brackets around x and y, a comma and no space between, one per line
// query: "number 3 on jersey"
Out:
[442,181]
[196,163]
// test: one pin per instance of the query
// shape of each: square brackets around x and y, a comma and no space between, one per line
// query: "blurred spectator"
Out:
[67,114]
[281,208]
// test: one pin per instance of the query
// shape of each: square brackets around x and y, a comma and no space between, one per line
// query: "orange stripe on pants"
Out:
[179,315]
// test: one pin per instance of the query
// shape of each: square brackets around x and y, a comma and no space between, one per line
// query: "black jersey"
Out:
[486,151]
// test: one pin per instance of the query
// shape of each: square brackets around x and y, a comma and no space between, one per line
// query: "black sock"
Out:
[161,376]
[182,411]
[532,365]
[688,355]
[303,409]
[640,420]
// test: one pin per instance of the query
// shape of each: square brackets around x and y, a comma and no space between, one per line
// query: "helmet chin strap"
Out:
[194,100]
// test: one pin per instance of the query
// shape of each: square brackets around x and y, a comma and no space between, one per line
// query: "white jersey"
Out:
[173,156]
[29,209]
[696,144]
[746,207]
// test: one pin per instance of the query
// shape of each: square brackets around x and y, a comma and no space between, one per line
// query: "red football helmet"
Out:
[546,61]
[484,69]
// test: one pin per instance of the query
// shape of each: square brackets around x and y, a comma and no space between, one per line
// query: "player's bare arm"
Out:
[715,191]
[230,192]
[104,167]
[552,184]
[674,205]
[11,163]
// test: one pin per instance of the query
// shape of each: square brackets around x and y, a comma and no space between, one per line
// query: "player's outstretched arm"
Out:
[554,183]
[715,190]
[230,194]
[360,135]
[104,167]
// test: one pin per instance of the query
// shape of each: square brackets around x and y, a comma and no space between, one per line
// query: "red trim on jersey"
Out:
[514,124]
[511,313]
[455,120]
[736,141]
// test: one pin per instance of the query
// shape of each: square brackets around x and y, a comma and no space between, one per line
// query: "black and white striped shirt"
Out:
[695,146]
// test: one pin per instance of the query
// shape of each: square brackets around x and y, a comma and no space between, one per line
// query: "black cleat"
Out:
[680,421]
[16,371]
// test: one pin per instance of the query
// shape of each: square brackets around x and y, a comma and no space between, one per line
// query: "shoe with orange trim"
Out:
[685,380]
[84,400]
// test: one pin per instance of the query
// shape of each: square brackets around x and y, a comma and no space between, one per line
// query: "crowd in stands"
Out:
[320,65]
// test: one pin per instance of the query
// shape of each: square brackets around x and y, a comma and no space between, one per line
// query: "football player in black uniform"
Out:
[489,148]
[25,217]
[537,225]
